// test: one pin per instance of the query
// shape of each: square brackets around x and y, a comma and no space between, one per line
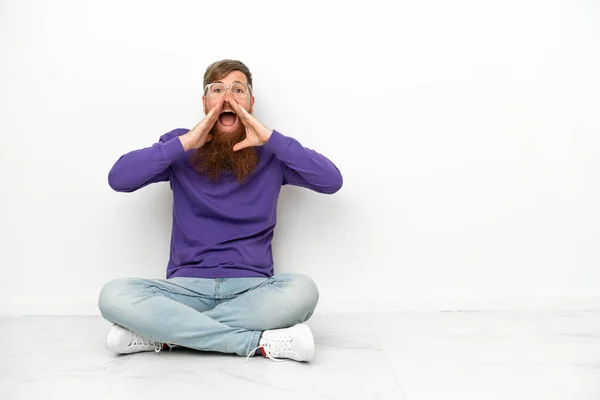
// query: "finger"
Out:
[212,111]
[243,120]
[217,109]
[241,145]
[210,116]
[236,106]
[215,112]
[244,115]
[238,111]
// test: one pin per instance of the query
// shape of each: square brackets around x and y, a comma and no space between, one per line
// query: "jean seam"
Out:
[230,295]
[164,289]
[234,297]
[254,341]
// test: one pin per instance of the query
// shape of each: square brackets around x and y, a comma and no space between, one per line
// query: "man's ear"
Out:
[204,105]
[251,104]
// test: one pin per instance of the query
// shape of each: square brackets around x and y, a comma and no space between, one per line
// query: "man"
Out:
[221,293]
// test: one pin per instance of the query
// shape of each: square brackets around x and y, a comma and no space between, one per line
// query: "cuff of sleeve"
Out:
[277,143]
[173,148]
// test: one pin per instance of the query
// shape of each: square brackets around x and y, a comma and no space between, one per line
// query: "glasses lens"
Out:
[239,90]
[216,90]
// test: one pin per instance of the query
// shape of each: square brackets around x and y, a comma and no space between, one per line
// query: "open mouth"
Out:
[227,119]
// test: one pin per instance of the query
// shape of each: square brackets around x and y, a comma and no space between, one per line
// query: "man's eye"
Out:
[217,90]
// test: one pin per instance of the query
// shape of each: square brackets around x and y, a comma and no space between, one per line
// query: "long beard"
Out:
[217,156]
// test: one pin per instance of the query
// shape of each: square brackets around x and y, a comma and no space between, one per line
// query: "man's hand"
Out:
[199,135]
[256,133]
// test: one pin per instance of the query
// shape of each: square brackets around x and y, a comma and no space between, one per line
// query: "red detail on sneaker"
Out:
[262,350]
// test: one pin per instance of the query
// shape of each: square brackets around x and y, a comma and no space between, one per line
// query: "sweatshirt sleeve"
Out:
[142,167]
[304,167]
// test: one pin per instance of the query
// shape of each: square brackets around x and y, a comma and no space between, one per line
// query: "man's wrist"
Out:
[267,136]
[277,142]
[184,142]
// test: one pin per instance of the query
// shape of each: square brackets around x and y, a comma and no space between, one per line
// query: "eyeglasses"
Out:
[217,90]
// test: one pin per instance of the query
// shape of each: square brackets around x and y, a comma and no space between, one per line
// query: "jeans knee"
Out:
[305,292]
[110,300]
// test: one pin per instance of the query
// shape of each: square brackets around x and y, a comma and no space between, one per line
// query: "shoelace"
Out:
[139,341]
[276,347]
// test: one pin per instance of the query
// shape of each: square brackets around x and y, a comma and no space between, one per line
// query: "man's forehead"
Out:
[236,81]
[233,77]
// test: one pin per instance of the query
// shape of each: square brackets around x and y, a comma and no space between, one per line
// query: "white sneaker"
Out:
[295,343]
[122,341]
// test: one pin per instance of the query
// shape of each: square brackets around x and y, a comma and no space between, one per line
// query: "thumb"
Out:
[241,145]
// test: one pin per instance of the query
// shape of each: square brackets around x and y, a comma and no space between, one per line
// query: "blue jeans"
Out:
[223,314]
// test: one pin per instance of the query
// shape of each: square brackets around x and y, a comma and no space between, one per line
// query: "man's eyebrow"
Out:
[233,82]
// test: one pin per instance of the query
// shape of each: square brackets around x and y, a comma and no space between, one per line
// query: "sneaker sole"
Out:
[306,337]
[112,337]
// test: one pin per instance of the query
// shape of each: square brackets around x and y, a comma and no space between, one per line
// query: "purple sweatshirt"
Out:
[224,229]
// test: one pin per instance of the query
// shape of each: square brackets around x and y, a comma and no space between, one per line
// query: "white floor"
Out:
[413,356]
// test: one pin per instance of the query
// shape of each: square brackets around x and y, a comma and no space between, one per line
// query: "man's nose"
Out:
[227,95]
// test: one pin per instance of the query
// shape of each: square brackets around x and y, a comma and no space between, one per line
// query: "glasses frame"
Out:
[207,89]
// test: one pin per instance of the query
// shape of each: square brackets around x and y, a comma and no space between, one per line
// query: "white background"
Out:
[467,132]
